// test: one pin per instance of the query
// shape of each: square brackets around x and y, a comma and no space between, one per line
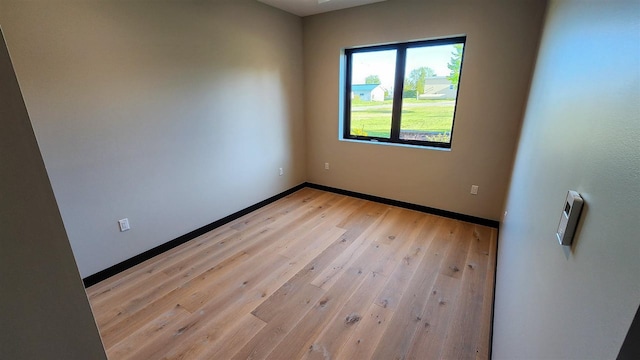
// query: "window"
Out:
[403,93]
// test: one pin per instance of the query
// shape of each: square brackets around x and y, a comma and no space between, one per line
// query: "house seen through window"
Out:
[403,93]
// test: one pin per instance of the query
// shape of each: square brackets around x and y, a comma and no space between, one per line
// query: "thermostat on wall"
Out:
[569,218]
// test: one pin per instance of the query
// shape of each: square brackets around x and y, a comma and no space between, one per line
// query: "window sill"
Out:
[395,144]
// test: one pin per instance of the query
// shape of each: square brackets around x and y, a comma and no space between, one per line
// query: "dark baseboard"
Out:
[406,205]
[631,346]
[122,266]
[493,302]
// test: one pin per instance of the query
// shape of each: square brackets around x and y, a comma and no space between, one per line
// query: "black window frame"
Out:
[398,89]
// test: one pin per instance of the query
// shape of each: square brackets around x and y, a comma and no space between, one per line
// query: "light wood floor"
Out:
[314,275]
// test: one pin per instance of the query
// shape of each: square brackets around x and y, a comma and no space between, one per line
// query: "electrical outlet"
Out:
[474,189]
[326,166]
[281,172]
[124,224]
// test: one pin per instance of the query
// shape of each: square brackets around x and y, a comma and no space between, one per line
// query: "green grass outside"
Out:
[373,118]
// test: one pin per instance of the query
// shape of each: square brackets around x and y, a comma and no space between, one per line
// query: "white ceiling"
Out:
[311,7]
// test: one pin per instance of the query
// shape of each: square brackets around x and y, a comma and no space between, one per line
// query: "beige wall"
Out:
[44,312]
[580,132]
[173,114]
[502,38]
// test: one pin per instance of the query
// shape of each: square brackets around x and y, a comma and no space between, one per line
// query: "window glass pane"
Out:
[430,90]
[372,76]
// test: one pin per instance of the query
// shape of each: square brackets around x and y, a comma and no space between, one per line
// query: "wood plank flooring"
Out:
[314,275]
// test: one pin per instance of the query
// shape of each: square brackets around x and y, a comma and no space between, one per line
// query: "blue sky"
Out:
[382,63]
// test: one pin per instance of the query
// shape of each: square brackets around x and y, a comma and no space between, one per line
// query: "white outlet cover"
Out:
[124,224]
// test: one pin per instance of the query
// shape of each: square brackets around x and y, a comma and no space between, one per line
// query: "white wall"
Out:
[502,39]
[173,114]
[44,312]
[581,131]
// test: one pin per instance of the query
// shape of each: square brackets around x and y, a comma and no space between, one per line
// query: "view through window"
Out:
[403,93]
